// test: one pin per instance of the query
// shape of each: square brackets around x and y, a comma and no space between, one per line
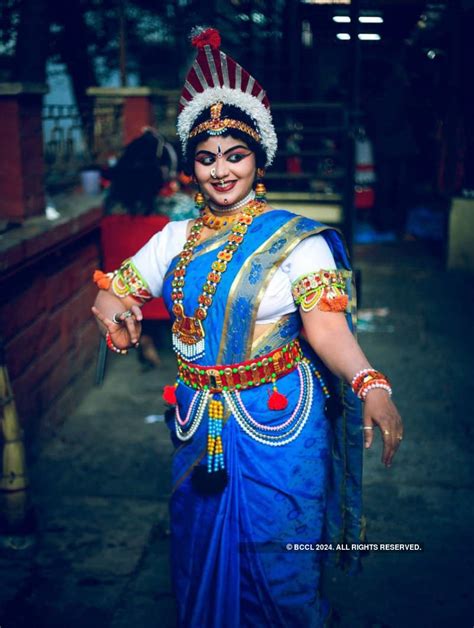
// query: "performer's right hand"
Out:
[124,333]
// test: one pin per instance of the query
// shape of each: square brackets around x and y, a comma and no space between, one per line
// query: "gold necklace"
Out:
[187,331]
[215,222]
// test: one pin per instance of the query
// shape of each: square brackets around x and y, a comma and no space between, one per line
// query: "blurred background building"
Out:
[372,104]
[404,82]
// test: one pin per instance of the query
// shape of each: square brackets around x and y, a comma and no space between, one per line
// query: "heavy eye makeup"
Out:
[206,159]
[237,156]
[233,155]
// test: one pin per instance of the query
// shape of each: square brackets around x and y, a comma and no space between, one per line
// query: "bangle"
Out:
[377,384]
[365,376]
[112,347]
[359,374]
[366,379]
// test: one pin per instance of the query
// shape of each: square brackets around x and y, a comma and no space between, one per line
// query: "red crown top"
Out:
[208,37]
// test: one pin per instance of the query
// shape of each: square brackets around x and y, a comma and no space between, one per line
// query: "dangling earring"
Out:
[199,201]
[260,189]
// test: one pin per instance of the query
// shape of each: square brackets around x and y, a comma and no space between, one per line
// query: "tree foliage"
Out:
[84,35]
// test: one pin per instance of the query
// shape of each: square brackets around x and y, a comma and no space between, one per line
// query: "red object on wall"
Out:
[137,114]
[121,237]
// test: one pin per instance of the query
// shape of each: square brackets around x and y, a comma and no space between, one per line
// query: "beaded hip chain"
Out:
[242,375]
[215,385]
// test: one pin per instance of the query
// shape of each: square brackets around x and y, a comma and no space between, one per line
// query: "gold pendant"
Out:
[188,336]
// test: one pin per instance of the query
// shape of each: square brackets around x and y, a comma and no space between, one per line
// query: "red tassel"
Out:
[169,395]
[277,401]
[208,37]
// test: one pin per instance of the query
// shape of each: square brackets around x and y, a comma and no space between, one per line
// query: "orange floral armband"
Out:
[102,280]
[126,281]
[325,289]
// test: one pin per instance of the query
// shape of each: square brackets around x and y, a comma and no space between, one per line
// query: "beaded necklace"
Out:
[187,331]
[228,208]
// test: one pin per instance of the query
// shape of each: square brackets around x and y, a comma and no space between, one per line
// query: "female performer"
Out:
[266,458]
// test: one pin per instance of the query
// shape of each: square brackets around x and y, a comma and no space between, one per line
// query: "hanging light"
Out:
[363,19]
[369,37]
[371,19]
[326,1]
[361,36]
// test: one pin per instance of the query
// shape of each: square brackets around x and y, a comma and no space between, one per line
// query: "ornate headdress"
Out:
[214,80]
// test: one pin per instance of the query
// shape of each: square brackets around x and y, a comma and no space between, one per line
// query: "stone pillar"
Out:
[21,151]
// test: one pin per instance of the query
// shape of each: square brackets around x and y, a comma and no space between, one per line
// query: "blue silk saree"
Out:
[231,565]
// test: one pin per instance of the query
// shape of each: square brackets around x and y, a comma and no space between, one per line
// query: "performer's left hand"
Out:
[380,411]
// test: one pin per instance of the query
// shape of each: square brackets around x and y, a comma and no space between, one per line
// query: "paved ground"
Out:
[100,482]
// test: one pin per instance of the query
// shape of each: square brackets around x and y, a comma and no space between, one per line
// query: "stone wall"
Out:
[50,337]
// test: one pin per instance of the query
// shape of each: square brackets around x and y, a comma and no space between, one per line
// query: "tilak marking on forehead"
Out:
[219,150]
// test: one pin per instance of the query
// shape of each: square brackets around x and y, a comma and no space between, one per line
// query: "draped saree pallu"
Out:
[292,475]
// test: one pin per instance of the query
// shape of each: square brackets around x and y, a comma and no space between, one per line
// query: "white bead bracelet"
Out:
[365,390]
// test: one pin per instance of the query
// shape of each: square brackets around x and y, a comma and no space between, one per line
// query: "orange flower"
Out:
[102,280]
[336,304]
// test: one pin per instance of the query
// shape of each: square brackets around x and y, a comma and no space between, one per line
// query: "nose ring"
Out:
[213,173]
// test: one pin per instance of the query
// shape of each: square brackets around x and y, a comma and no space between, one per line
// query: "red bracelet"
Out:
[365,376]
[112,347]
[366,380]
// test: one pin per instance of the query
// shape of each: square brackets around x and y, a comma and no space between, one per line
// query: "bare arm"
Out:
[330,337]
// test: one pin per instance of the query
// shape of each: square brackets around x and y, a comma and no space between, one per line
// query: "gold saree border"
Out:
[284,254]
[238,278]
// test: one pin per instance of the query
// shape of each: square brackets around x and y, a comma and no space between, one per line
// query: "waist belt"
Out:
[242,375]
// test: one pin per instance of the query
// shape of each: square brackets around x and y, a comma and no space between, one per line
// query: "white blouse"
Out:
[310,255]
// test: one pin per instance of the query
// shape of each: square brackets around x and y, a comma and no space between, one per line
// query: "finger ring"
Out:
[386,432]
[368,427]
[116,318]
[126,314]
